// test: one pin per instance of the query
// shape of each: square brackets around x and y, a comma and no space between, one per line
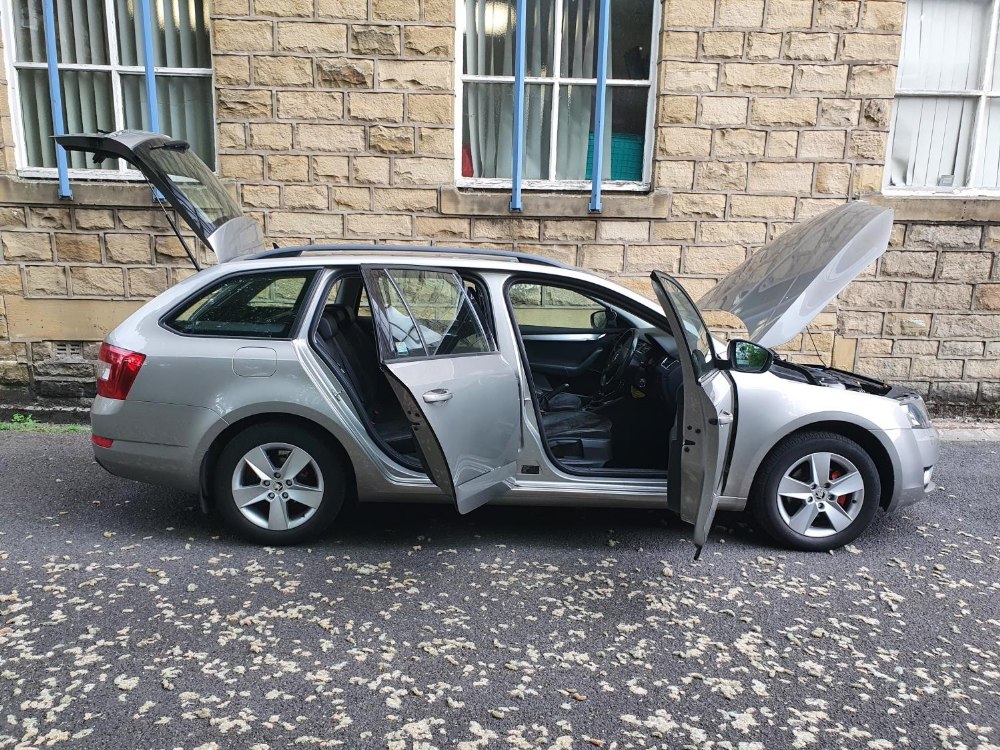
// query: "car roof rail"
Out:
[292,252]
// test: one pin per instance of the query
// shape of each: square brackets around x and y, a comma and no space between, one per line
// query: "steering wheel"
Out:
[616,366]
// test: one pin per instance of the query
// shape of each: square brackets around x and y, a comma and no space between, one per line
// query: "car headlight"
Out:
[916,412]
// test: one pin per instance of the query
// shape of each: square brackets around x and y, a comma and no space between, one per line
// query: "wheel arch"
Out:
[220,440]
[875,448]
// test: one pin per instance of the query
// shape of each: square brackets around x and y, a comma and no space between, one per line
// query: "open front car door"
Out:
[461,396]
[705,415]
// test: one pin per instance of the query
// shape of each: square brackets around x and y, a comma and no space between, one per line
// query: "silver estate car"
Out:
[283,383]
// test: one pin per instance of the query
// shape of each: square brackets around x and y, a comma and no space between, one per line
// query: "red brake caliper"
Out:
[836,474]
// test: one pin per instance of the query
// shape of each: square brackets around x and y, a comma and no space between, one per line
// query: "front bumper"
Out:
[917,451]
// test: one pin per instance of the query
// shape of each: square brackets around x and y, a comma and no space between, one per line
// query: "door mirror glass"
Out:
[746,356]
[602,319]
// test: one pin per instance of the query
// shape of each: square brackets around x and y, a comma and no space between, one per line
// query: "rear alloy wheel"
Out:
[278,484]
[816,491]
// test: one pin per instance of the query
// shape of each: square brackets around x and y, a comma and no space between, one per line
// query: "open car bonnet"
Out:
[185,182]
[781,288]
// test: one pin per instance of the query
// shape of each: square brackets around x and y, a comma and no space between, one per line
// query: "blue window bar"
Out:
[597,170]
[520,63]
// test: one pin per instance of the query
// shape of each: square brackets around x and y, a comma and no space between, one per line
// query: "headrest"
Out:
[341,314]
[327,327]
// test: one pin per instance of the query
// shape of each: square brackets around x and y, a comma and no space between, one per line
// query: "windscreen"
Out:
[195,182]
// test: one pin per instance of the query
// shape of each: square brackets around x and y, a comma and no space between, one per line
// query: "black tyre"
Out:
[277,483]
[816,491]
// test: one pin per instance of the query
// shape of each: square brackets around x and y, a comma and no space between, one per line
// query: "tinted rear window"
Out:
[259,305]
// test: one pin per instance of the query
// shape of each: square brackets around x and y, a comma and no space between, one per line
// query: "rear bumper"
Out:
[917,451]
[154,443]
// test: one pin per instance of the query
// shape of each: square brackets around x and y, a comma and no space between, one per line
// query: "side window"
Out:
[260,305]
[542,306]
[426,313]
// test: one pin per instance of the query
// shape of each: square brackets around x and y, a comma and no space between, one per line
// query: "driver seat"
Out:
[578,437]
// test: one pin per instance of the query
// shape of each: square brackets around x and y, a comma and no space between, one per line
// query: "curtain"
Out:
[180,40]
[944,45]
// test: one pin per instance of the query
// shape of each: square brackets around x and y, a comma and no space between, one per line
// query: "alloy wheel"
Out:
[820,495]
[277,486]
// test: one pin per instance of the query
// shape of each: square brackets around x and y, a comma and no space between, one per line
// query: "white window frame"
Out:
[554,82]
[124,171]
[987,91]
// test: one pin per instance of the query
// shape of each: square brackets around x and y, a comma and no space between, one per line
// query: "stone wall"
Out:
[336,123]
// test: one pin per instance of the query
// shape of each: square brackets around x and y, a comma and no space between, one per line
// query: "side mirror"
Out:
[746,356]
[601,319]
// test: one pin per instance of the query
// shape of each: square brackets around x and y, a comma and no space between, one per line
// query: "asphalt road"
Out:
[128,620]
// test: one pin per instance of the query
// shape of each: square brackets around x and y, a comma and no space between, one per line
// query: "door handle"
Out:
[724,418]
[437,396]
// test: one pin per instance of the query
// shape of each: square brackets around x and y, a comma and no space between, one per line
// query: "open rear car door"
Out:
[185,182]
[704,417]
[461,396]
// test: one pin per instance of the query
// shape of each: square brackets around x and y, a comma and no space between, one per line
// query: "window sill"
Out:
[915,207]
[90,192]
[462,202]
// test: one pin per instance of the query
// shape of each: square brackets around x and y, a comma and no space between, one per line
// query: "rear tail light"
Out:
[101,442]
[117,372]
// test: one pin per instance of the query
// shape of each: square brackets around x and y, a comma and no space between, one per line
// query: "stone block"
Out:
[678,110]
[884,368]
[915,346]
[232,70]
[944,236]
[988,297]
[310,105]
[837,14]
[624,231]
[725,44]
[261,196]
[311,224]
[882,295]
[867,145]
[729,232]
[763,46]
[242,36]
[603,258]
[405,199]
[312,197]
[270,136]
[375,107]
[762,207]
[369,170]
[675,231]
[646,258]
[288,168]
[78,248]
[282,71]
[766,78]
[780,177]
[698,205]
[344,73]
[391,140]
[789,14]
[738,142]
[422,170]
[872,80]
[244,104]
[723,110]
[962,348]
[883,16]
[352,198]
[981,369]
[721,176]
[147,282]
[909,263]
[678,141]
[312,37]
[431,75]
[46,280]
[127,248]
[396,10]
[783,111]
[562,231]
[283,7]
[716,261]
[11,216]
[506,229]
[839,113]
[375,40]
[435,227]
[379,225]
[740,13]
[822,144]
[97,282]
[682,44]
[782,144]
[435,141]
[429,41]
[907,324]
[10,281]
[94,218]
[26,245]
[342,9]
[810,46]
[330,137]
[935,296]
[860,47]
[673,175]
[436,109]
[821,79]
[47,217]
[689,77]
[965,266]
[689,13]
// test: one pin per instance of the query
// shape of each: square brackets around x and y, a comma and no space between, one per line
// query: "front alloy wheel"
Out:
[816,491]
[279,483]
